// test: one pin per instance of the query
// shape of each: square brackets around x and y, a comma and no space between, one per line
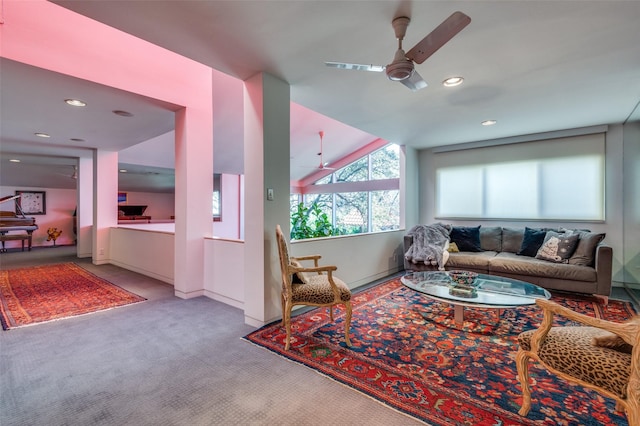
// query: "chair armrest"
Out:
[628,331]
[318,269]
[314,257]
[308,257]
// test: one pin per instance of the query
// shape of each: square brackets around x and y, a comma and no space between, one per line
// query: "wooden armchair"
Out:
[314,286]
[571,353]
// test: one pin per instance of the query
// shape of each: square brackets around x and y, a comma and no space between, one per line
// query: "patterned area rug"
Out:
[409,354]
[46,293]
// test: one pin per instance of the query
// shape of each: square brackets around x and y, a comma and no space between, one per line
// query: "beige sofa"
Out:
[587,271]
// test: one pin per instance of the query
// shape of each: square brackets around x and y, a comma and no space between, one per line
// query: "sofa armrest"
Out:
[604,267]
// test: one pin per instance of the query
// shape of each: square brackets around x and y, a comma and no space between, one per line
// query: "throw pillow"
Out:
[298,277]
[585,252]
[467,238]
[557,247]
[453,248]
[491,238]
[533,239]
[613,341]
[512,239]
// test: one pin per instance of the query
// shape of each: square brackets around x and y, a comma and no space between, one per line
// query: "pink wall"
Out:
[60,204]
[45,35]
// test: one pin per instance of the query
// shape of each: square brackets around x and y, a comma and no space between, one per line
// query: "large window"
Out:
[360,197]
[559,179]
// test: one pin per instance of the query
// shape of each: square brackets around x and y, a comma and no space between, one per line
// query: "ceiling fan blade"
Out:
[357,67]
[415,82]
[438,37]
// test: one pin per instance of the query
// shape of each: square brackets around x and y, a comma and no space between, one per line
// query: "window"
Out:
[217,197]
[558,179]
[363,196]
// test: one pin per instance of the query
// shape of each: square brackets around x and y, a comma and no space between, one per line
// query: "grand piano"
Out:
[10,221]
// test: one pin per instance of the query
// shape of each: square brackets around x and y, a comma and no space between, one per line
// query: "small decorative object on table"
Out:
[463,284]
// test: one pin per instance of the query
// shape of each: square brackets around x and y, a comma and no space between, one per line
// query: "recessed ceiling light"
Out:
[123,170]
[122,113]
[488,122]
[14,160]
[42,135]
[75,102]
[452,81]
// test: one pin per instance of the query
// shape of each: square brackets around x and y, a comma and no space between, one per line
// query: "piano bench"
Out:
[15,237]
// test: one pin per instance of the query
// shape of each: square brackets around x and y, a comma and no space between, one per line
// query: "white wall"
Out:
[615,177]
[360,258]
[60,204]
[148,252]
[224,271]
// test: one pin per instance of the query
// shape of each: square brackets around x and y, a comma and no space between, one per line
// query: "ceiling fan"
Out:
[402,68]
[322,165]
[73,175]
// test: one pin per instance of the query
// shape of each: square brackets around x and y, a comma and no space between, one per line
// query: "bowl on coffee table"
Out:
[463,284]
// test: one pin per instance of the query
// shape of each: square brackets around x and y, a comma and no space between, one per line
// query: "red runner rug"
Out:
[408,353]
[52,292]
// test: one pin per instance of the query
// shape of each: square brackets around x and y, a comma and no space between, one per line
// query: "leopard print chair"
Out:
[611,367]
[311,286]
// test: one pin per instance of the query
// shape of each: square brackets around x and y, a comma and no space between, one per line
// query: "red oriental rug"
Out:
[409,354]
[46,293]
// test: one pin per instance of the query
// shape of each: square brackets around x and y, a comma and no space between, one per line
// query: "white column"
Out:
[266,152]
[105,206]
[84,203]
[193,196]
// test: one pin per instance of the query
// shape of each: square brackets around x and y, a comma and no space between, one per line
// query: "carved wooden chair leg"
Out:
[331,312]
[632,403]
[522,364]
[287,323]
[347,323]
[283,304]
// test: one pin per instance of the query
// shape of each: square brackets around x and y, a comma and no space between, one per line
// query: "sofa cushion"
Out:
[514,264]
[532,241]
[557,247]
[585,252]
[491,238]
[467,238]
[470,260]
[512,239]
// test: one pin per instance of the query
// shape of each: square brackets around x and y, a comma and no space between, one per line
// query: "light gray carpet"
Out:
[166,361]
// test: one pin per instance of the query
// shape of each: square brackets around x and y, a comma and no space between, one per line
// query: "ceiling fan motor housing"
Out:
[401,68]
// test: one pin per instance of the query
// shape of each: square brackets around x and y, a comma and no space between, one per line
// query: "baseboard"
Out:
[151,274]
[372,278]
[226,300]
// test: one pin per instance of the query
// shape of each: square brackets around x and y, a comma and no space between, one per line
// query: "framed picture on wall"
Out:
[31,202]
[122,197]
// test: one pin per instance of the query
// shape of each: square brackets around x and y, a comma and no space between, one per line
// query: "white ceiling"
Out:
[534,66]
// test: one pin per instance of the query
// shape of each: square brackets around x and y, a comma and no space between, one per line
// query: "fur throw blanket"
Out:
[430,244]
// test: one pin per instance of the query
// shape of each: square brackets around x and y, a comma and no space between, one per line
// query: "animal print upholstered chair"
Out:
[313,286]
[601,355]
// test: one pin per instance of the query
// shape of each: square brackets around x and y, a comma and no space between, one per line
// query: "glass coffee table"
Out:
[492,292]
